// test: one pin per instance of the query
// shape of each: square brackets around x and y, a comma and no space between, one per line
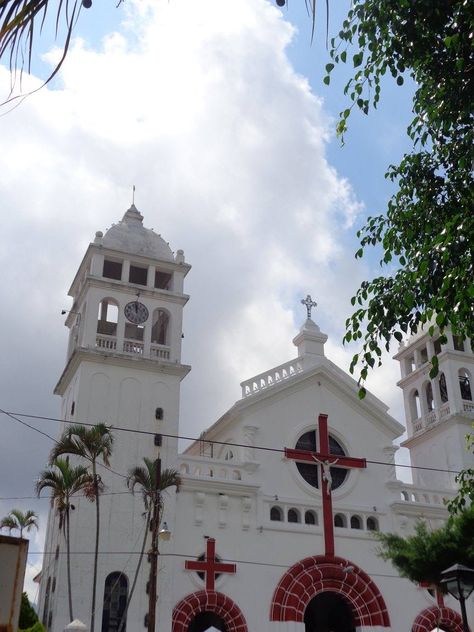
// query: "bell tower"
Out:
[124,353]
[123,368]
[439,412]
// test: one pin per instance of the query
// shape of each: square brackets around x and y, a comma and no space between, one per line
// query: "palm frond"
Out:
[18,19]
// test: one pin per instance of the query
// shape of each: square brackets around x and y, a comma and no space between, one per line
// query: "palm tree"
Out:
[64,481]
[16,519]
[90,444]
[8,523]
[144,478]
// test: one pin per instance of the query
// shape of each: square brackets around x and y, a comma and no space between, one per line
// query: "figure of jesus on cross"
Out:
[325,459]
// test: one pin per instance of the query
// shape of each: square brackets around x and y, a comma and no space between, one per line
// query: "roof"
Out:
[130,236]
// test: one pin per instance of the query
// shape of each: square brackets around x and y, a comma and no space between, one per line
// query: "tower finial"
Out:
[133,195]
[308,301]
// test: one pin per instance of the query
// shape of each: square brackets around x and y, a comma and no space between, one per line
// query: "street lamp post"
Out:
[459,582]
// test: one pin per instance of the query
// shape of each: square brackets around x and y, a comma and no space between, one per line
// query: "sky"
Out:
[216,111]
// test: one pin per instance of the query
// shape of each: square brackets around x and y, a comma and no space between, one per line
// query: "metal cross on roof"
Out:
[308,301]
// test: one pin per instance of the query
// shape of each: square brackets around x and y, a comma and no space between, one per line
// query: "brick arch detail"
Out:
[430,618]
[320,573]
[208,601]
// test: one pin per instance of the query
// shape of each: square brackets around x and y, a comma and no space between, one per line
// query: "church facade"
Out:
[273,527]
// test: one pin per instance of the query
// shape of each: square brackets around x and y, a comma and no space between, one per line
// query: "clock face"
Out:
[136,312]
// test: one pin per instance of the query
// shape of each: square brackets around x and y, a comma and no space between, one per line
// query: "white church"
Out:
[262,540]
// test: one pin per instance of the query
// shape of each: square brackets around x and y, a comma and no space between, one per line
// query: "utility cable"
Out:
[209,441]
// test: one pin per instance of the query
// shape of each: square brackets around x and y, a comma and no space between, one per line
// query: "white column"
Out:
[125,270]
[150,279]
[97,264]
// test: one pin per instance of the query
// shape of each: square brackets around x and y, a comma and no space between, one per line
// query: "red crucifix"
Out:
[210,566]
[324,458]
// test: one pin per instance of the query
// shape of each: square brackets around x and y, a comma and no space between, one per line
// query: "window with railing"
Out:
[108,317]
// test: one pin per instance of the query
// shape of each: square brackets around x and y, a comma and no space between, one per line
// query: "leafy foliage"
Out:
[20,521]
[426,234]
[91,444]
[28,616]
[8,522]
[64,481]
[21,19]
[37,627]
[423,556]
[465,481]
[143,477]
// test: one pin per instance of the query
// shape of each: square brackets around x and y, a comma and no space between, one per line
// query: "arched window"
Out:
[293,515]
[276,514]
[372,524]
[415,409]
[429,396]
[229,455]
[115,601]
[458,343]
[356,522]
[108,317]
[340,520]
[160,327]
[311,473]
[310,517]
[443,391]
[465,384]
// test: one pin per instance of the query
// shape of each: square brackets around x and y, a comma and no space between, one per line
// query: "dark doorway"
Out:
[329,612]
[205,620]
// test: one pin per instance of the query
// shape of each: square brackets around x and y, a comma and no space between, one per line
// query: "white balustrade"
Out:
[468,407]
[271,378]
[106,342]
[202,468]
[417,425]
[159,351]
[133,346]
[431,417]
[444,410]
[412,494]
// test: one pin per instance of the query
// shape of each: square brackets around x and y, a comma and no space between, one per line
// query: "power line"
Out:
[193,557]
[15,418]
[209,441]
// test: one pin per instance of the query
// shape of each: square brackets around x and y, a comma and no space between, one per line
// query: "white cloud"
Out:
[197,104]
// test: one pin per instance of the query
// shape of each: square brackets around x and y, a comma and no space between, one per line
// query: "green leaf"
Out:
[326,80]
[357,59]
[329,67]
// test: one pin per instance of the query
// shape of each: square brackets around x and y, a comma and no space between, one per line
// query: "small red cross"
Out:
[325,458]
[210,566]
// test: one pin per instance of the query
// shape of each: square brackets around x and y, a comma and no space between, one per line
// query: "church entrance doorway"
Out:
[329,612]
[207,622]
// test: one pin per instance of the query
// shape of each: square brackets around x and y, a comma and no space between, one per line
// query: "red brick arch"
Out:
[320,573]
[208,601]
[428,619]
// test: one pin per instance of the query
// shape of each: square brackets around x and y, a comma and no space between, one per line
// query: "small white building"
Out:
[286,560]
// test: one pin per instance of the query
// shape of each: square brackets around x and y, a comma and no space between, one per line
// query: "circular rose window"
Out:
[312,473]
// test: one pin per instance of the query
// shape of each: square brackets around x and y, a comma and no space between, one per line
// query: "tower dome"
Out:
[129,235]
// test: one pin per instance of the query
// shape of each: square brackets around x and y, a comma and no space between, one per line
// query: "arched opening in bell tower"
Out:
[160,327]
[108,317]
[329,612]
